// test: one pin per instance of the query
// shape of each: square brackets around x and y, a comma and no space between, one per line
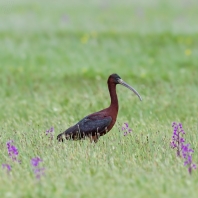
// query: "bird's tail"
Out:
[63,136]
[60,137]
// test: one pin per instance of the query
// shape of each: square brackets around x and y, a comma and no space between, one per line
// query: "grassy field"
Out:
[55,58]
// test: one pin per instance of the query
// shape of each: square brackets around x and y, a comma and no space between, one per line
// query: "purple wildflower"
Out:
[177,139]
[183,150]
[187,155]
[126,129]
[7,166]
[35,161]
[50,132]
[12,150]
[38,171]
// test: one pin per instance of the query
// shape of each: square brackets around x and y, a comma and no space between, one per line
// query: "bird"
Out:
[99,123]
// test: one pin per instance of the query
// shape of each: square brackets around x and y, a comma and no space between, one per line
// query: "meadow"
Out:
[55,58]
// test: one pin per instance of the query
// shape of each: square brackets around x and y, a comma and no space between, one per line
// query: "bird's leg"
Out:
[61,137]
[94,137]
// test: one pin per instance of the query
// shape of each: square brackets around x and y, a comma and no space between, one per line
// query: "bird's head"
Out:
[115,79]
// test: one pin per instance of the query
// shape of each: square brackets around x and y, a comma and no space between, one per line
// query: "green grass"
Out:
[55,61]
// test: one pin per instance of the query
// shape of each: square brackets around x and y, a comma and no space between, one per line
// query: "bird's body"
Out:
[99,123]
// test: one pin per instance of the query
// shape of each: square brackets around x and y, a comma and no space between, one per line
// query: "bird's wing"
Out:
[89,125]
[94,124]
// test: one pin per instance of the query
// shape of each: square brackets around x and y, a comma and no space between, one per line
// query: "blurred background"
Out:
[47,47]
[135,16]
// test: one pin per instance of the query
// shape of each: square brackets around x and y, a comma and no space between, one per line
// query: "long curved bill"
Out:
[129,87]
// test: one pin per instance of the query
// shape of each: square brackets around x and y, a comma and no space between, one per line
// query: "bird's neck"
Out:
[113,96]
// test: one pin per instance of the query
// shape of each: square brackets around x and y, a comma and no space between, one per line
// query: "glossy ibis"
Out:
[101,122]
